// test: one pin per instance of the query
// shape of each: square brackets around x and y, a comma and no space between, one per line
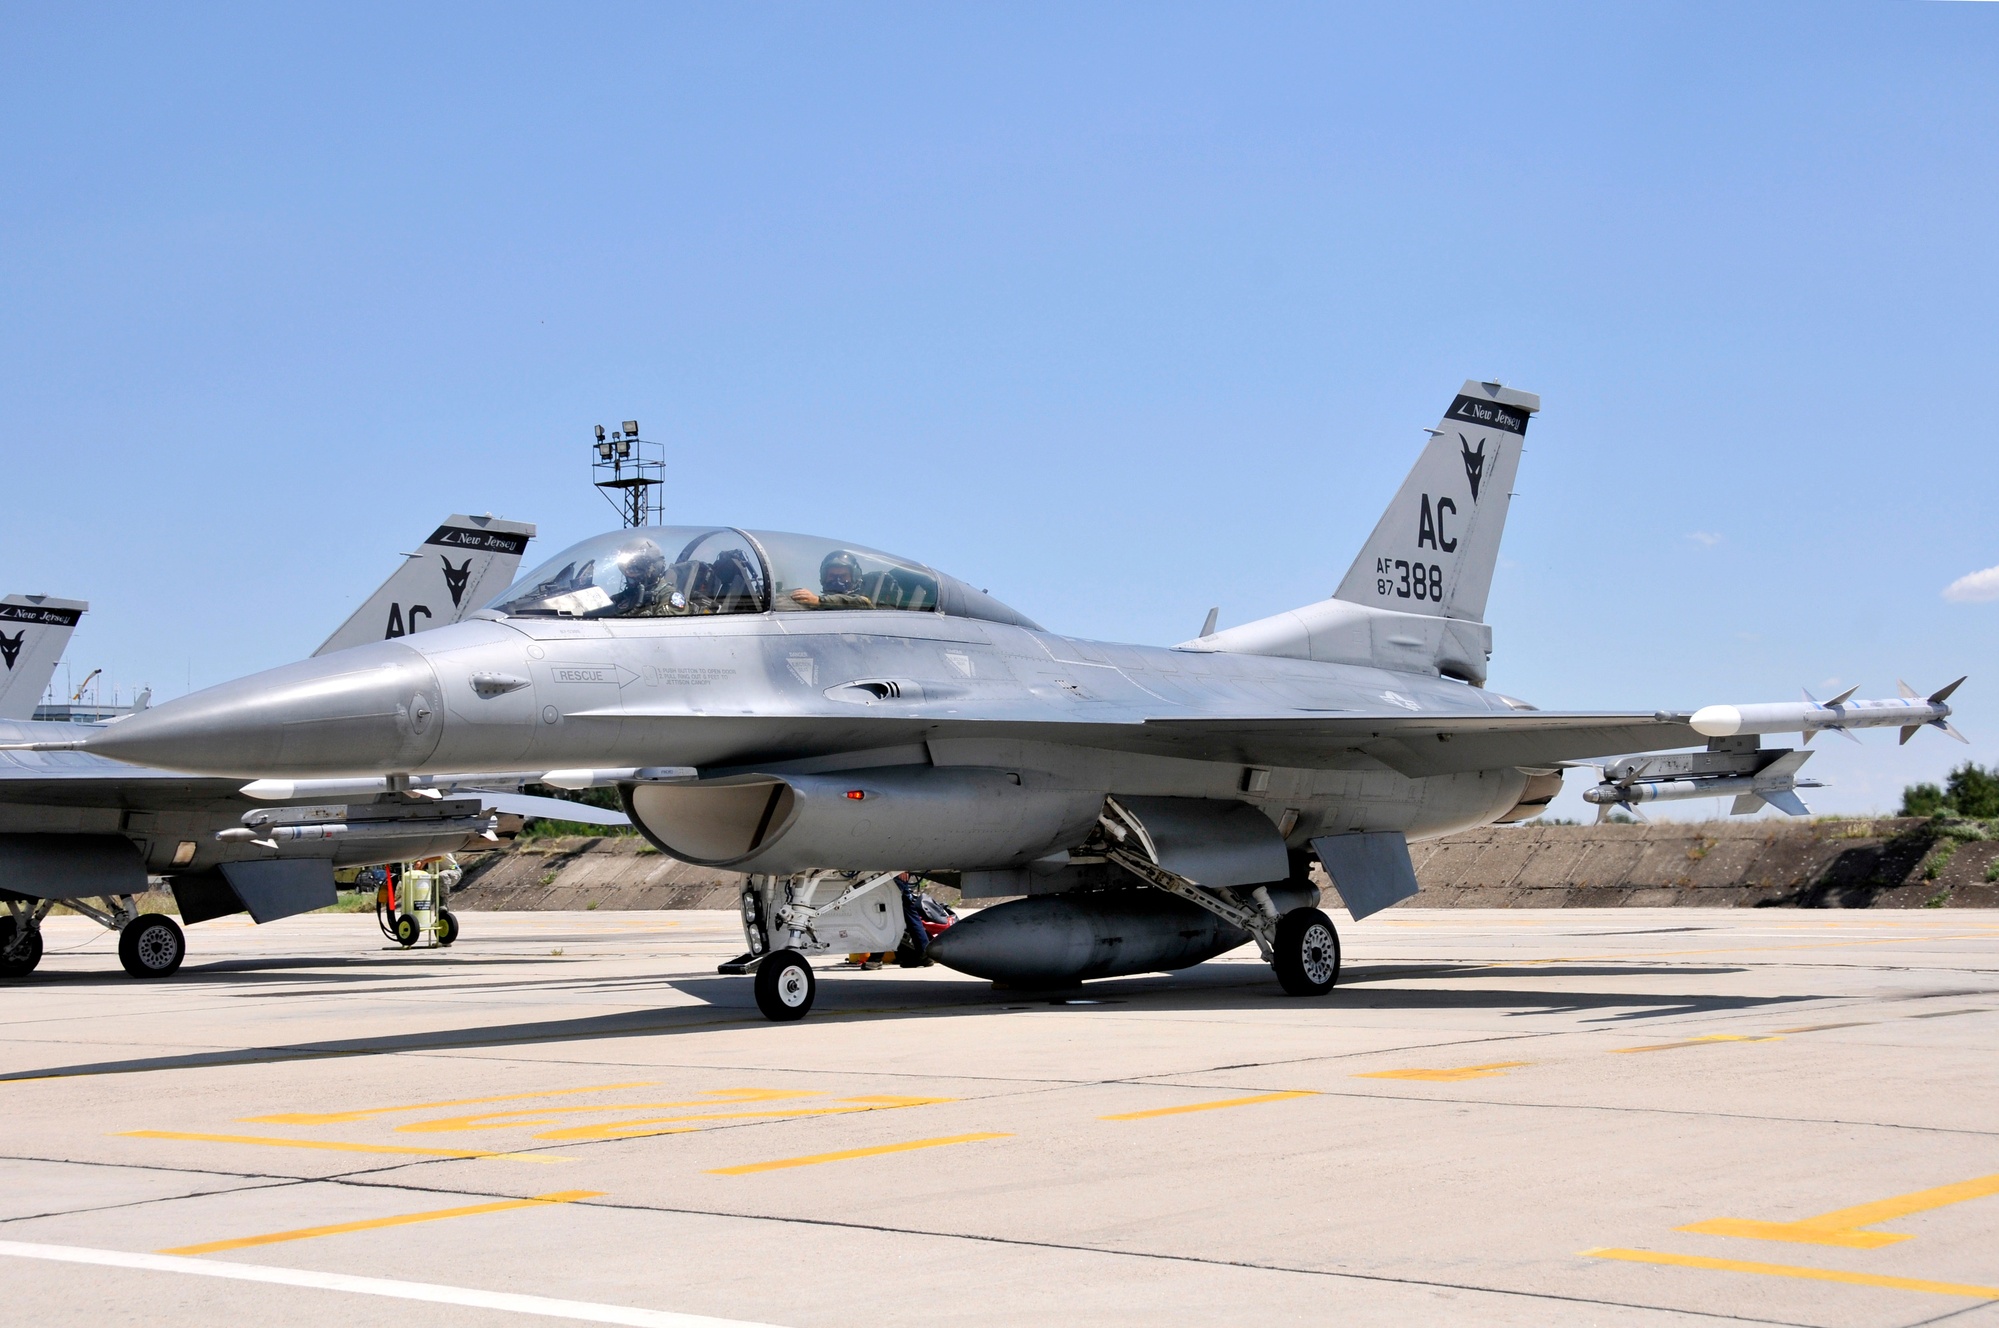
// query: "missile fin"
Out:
[1746,804]
[1906,692]
[1844,734]
[1944,724]
[1806,692]
[1908,732]
[1944,693]
[1787,802]
[1847,695]
[1805,739]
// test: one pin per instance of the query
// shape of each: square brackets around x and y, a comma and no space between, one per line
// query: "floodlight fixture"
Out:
[632,428]
[625,448]
[600,433]
[603,451]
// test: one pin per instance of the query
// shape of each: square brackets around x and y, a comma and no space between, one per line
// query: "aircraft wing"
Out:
[1415,745]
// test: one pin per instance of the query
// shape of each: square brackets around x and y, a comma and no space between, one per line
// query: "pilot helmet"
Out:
[840,558]
[642,562]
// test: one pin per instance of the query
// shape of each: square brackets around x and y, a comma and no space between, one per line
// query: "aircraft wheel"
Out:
[447,926]
[25,958]
[785,986]
[151,946]
[406,931]
[1307,957]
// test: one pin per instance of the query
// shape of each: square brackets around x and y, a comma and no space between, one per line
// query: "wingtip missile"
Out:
[1908,712]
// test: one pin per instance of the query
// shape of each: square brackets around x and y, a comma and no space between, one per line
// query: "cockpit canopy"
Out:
[690,571]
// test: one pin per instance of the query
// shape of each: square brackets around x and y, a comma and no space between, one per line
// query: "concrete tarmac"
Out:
[1525,1117]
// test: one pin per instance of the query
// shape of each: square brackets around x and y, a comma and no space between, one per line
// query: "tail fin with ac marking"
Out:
[461,567]
[33,631]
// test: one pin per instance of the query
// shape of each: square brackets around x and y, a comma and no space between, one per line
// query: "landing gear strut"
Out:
[1300,944]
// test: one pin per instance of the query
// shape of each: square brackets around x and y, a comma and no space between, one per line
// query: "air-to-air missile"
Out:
[1738,770]
[1734,767]
[1908,712]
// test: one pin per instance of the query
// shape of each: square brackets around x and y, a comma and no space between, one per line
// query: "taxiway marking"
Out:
[343,1117]
[546,1306]
[847,1154]
[1462,1072]
[373,1223]
[1791,1270]
[1697,1042]
[331,1145]
[1208,1106]
[1842,1226]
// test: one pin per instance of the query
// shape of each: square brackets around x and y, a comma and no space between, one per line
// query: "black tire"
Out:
[785,986]
[151,946]
[24,960]
[1308,953]
[447,926]
[406,931]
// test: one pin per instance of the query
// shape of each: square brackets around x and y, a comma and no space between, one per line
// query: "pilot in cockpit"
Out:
[839,584]
[648,590]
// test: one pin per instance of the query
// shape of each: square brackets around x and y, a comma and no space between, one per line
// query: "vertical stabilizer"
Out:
[1437,545]
[33,631]
[463,565]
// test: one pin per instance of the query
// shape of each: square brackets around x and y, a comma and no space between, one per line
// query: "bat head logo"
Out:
[10,646]
[454,579]
[1474,463]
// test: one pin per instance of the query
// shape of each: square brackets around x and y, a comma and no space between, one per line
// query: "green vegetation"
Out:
[1971,791]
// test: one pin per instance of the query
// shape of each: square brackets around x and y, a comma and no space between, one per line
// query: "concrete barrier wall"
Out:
[1888,863]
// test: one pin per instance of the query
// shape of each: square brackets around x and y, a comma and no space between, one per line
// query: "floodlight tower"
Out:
[630,471]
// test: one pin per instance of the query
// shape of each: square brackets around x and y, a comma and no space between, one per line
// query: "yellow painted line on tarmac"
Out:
[1842,1226]
[1792,1270]
[1451,1076]
[1697,1042]
[1637,954]
[333,1146]
[343,1117]
[1208,1106]
[847,1154]
[376,1223]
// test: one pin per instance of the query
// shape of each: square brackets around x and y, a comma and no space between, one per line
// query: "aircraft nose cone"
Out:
[371,710]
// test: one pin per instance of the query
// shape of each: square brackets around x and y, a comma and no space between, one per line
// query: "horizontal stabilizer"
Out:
[1745,804]
[539,808]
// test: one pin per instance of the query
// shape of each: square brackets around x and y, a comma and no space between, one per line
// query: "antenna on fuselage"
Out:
[630,471]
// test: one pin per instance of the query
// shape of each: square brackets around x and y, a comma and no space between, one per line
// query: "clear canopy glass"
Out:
[650,572]
[679,571]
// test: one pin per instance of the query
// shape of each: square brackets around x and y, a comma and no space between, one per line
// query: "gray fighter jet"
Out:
[85,831]
[820,714]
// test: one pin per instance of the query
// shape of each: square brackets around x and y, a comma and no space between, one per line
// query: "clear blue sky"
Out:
[1121,311]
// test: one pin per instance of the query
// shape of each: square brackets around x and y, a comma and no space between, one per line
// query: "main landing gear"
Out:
[1300,943]
[150,945]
